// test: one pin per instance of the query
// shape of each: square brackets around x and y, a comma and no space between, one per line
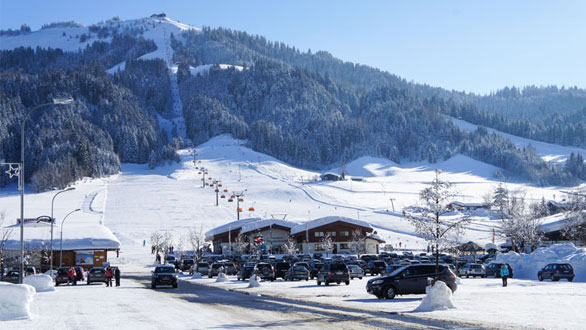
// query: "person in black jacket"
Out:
[117,276]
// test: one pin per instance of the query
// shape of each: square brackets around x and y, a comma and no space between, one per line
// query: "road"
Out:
[271,312]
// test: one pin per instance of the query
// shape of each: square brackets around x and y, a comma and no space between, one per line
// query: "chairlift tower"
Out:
[238,195]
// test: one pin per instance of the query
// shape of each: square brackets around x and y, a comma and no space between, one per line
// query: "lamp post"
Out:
[61,238]
[21,176]
[52,222]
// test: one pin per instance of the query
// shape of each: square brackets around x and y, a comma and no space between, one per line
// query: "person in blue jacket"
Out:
[504,273]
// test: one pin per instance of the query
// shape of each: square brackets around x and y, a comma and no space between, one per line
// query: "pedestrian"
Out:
[71,276]
[143,242]
[117,253]
[152,249]
[158,258]
[504,274]
[117,276]
[109,276]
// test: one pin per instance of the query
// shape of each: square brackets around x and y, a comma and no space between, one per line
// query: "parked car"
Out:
[214,269]
[333,272]
[265,271]
[355,271]
[314,268]
[472,270]
[171,259]
[297,273]
[96,274]
[229,268]
[494,269]
[557,271]
[201,267]
[79,273]
[186,264]
[164,275]
[62,275]
[375,267]
[302,263]
[281,269]
[411,279]
[30,270]
[11,276]
[245,273]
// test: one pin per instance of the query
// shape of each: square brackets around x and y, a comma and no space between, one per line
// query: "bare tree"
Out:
[4,234]
[431,223]
[291,246]
[575,226]
[358,242]
[240,243]
[196,240]
[156,241]
[327,244]
[518,224]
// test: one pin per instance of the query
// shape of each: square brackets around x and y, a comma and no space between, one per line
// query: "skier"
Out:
[504,274]
[71,276]
[117,276]
[109,276]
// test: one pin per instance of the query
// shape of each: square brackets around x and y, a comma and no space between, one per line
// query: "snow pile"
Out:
[196,275]
[15,300]
[253,282]
[526,266]
[41,283]
[222,278]
[438,297]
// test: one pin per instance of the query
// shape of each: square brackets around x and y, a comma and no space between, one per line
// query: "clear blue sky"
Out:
[477,46]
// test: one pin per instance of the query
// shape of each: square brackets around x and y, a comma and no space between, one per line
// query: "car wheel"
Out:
[153,285]
[570,279]
[540,278]
[554,279]
[327,283]
[175,286]
[467,276]
[306,279]
[347,282]
[318,282]
[389,292]
[360,278]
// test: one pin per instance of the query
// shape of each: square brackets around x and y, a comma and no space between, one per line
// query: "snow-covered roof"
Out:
[75,237]
[229,227]
[325,221]
[554,222]
[262,223]
[468,204]
[376,237]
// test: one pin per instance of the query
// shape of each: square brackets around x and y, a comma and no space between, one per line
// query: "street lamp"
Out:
[52,222]
[61,238]
[21,176]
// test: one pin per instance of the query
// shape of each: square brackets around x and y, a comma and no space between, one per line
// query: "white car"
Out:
[472,270]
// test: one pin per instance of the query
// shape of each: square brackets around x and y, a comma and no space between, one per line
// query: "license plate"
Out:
[339,273]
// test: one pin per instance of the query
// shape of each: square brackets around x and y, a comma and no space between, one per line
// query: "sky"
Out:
[473,46]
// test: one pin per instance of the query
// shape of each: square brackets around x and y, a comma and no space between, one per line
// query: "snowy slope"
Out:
[549,152]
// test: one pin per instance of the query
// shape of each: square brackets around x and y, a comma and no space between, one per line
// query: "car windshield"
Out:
[203,265]
[164,270]
[338,267]
[97,271]
[300,268]
[62,271]
[398,271]
[475,266]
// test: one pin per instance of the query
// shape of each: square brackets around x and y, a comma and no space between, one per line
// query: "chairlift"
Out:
[241,199]
[198,172]
[223,196]
[239,209]
[225,190]
[217,190]
[230,200]
[232,196]
[251,209]
[219,184]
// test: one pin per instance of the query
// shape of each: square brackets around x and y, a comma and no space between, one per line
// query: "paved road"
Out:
[270,312]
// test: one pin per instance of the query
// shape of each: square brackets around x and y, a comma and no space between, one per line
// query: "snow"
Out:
[41,283]
[234,225]
[253,282]
[262,223]
[325,221]
[221,278]
[196,275]
[549,152]
[526,266]
[15,300]
[438,298]
[205,68]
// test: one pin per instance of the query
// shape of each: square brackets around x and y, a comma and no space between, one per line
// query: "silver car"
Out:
[472,270]
[203,268]
[355,271]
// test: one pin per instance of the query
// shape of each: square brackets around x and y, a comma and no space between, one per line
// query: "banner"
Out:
[84,258]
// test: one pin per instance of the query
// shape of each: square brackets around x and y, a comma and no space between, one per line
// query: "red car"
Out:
[62,276]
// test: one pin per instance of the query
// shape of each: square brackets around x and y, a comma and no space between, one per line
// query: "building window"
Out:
[318,247]
[344,246]
[345,233]
[331,233]
[319,234]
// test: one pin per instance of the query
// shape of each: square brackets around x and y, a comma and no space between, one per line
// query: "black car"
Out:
[186,264]
[375,267]
[12,276]
[494,269]
[245,273]
[265,271]
[281,269]
[411,279]
[556,271]
[333,272]
[164,275]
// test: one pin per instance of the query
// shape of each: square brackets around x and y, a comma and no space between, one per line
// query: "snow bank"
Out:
[196,275]
[438,297]
[41,283]
[15,301]
[526,266]
[253,282]
[222,278]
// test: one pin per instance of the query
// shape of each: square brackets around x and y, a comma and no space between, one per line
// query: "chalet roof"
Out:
[229,227]
[376,237]
[554,222]
[75,237]
[262,223]
[325,221]
[468,204]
